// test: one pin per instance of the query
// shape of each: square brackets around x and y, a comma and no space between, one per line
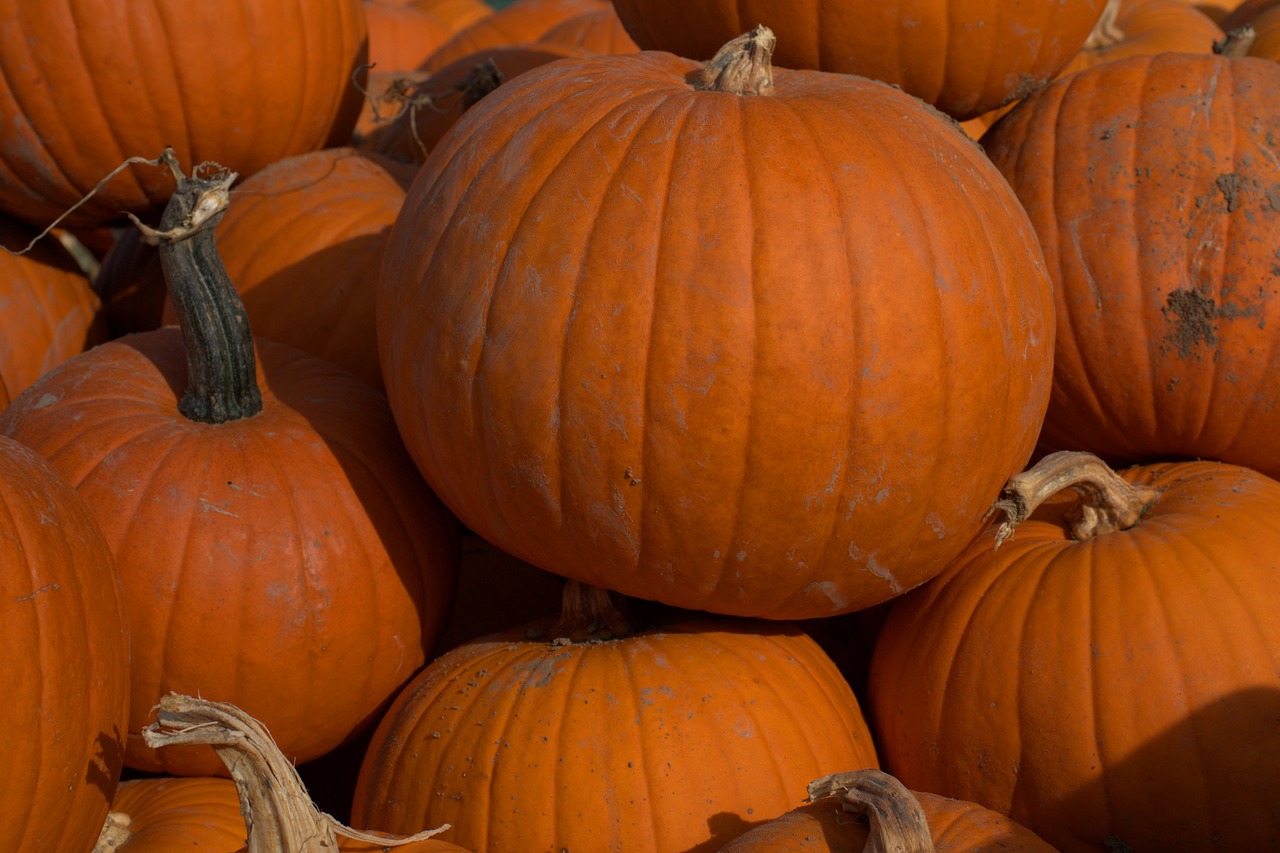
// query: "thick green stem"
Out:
[222,383]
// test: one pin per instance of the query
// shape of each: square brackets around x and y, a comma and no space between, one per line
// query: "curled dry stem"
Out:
[1108,502]
[896,822]
[1106,33]
[279,814]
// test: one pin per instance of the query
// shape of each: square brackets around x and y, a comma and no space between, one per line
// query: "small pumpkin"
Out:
[48,310]
[583,734]
[250,492]
[161,814]
[870,811]
[65,677]
[1110,676]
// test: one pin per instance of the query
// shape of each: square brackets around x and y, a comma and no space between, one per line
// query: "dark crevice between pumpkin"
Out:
[1107,501]
[222,382]
[896,822]
[589,614]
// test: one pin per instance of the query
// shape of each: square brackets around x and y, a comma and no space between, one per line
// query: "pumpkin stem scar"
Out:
[897,823]
[744,66]
[280,815]
[1108,502]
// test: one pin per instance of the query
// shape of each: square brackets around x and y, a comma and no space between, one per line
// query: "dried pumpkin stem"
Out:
[222,382]
[589,613]
[117,831]
[279,814]
[1237,42]
[1106,33]
[744,66]
[896,821]
[1108,501]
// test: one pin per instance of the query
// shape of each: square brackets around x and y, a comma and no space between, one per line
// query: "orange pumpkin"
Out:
[259,496]
[163,814]
[696,388]
[599,31]
[1162,249]
[1143,27]
[584,735]
[48,310]
[65,676]
[1111,675]
[870,811]
[459,13]
[517,23]
[85,84]
[963,56]
[402,35]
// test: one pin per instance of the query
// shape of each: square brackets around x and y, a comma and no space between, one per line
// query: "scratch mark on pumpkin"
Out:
[46,588]
[831,591]
[1076,244]
[206,506]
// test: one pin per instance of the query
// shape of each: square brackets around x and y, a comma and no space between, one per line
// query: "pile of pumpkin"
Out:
[859,434]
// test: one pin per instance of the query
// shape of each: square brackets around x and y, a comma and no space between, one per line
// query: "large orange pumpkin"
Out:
[65,676]
[760,354]
[1163,248]
[85,84]
[963,56]
[584,735]
[276,545]
[1103,681]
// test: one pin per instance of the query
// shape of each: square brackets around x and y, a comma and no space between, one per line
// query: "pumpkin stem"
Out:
[1109,503]
[742,67]
[896,821]
[222,383]
[116,832]
[1237,42]
[1106,33]
[279,814]
[589,613]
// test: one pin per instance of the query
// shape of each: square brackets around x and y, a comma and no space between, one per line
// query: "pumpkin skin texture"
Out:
[675,738]
[696,390]
[1126,685]
[66,672]
[1144,27]
[167,814]
[600,31]
[1162,253]
[963,56]
[48,311]
[85,84]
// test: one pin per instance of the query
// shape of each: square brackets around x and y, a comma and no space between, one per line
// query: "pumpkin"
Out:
[302,243]
[66,649]
[259,496]
[459,13]
[278,814]
[432,105]
[50,312]
[1139,27]
[85,84]
[892,819]
[402,35]
[161,814]
[583,734]
[697,388]
[599,31]
[518,23]
[1162,251]
[963,56]
[1111,675]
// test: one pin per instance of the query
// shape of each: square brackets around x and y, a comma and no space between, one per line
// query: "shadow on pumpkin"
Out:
[1210,783]
[106,766]
[724,827]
